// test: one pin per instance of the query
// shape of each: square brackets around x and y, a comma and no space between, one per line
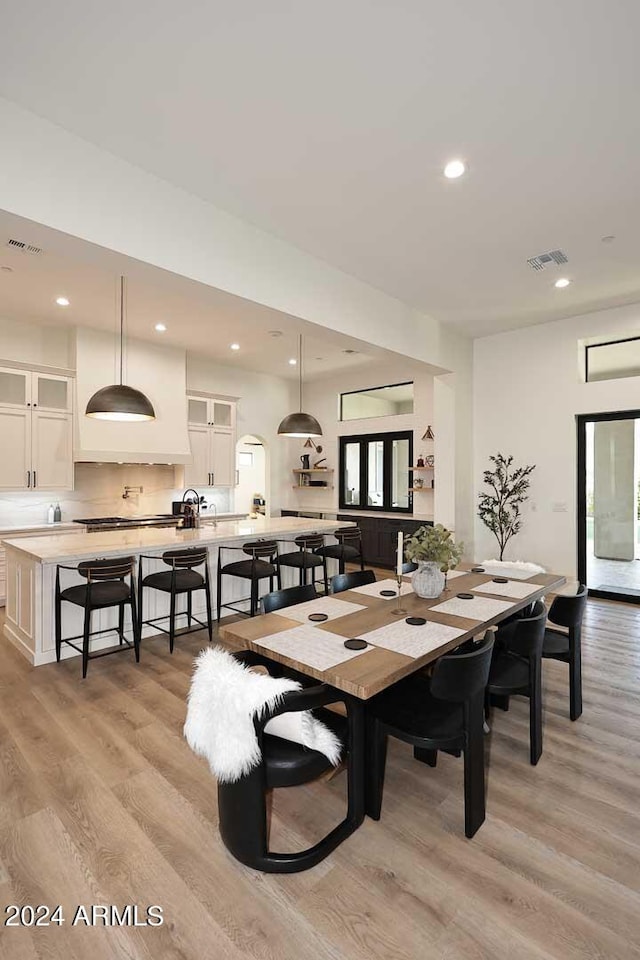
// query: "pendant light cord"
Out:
[121,325]
[300,366]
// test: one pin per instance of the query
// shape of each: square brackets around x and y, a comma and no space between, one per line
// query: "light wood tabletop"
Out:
[376,668]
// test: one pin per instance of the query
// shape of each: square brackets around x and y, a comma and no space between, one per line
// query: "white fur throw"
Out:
[516,569]
[224,698]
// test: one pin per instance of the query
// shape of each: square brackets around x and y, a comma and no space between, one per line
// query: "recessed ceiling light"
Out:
[608,239]
[454,169]
[275,333]
[62,301]
[562,282]
[234,346]
[6,268]
[293,361]
[160,327]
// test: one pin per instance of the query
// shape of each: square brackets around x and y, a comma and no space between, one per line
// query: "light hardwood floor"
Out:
[101,801]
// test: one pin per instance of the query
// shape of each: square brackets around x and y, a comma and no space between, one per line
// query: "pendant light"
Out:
[118,401]
[300,424]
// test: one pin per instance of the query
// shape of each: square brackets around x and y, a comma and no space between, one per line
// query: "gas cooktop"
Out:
[156,518]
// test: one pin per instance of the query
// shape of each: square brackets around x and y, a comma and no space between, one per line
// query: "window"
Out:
[245,458]
[613,360]
[389,401]
[374,472]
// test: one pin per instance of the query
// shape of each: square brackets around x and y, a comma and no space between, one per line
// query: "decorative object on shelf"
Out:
[429,460]
[300,424]
[499,508]
[418,483]
[428,434]
[435,552]
[304,460]
[420,462]
[118,401]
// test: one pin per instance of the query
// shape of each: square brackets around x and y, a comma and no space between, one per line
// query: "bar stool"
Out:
[347,549]
[307,557]
[262,565]
[181,578]
[105,587]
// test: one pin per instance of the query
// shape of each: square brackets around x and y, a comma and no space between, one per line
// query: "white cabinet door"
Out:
[198,472]
[15,442]
[50,392]
[198,412]
[51,451]
[223,413]
[223,458]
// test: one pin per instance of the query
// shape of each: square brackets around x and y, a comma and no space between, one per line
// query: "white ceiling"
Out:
[201,319]
[329,124]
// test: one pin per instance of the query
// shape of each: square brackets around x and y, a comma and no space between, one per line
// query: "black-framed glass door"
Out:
[608,504]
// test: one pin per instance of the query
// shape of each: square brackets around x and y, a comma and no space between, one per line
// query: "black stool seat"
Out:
[106,594]
[184,580]
[508,673]
[410,709]
[288,764]
[555,644]
[249,569]
[301,559]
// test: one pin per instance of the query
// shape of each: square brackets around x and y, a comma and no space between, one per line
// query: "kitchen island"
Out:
[32,563]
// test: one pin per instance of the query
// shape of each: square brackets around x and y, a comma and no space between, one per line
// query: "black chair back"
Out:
[347,581]
[260,549]
[528,634]
[460,676]
[569,611]
[278,599]
[349,535]
[108,568]
[309,541]
[185,559]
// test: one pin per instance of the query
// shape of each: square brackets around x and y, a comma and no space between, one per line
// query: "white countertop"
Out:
[86,546]
[10,528]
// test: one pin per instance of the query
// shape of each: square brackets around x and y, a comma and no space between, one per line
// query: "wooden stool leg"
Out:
[85,641]
[172,620]
[207,597]
[189,608]
[134,625]
[219,589]
[58,626]
[121,623]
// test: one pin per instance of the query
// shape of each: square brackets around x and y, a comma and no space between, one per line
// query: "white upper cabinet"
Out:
[212,436]
[36,426]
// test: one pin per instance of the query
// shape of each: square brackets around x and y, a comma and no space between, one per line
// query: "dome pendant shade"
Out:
[300,425]
[119,402]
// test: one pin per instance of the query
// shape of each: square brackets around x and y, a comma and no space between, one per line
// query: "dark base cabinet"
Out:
[379,534]
[380,537]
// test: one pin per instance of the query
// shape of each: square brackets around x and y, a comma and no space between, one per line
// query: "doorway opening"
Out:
[609,504]
[251,467]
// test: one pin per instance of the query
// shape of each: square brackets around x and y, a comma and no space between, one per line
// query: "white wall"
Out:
[252,479]
[37,344]
[528,388]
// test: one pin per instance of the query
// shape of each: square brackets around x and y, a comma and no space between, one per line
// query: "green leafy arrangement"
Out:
[434,544]
[499,508]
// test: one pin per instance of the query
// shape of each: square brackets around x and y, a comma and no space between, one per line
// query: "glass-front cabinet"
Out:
[36,426]
[212,438]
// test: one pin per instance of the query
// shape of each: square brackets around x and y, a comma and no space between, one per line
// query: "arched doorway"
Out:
[251,464]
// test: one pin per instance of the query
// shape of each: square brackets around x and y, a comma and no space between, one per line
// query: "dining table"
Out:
[402,633]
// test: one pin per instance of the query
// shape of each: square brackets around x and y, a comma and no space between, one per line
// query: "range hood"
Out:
[160,372]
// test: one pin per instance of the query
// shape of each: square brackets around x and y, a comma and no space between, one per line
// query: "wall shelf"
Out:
[419,489]
[307,486]
[314,470]
[420,468]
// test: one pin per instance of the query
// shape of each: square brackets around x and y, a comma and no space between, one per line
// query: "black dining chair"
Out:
[347,581]
[182,578]
[261,565]
[279,599]
[516,671]
[305,559]
[105,587]
[443,711]
[347,549]
[242,805]
[566,645]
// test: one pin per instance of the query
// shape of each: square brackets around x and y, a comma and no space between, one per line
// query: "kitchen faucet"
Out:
[197,496]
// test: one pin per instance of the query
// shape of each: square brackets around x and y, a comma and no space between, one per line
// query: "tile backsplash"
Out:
[98,492]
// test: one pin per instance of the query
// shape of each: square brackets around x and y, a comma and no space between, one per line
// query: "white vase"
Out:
[428,580]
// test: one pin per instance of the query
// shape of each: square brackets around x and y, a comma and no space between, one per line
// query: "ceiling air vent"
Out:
[545,259]
[24,247]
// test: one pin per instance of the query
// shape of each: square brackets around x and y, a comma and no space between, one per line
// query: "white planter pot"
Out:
[428,580]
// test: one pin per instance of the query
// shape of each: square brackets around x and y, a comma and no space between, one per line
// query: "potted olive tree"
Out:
[435,552]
